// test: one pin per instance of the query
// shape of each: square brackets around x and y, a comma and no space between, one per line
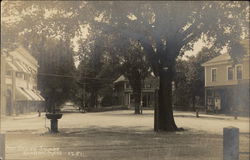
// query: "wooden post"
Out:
[39,113]
[197,112]
[230,143]
[2,147]
[156,110]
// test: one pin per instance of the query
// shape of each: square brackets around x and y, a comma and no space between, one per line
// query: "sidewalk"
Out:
[215,116]
[22,116]
[125,118]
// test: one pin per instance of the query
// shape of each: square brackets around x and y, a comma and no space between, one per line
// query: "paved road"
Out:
[124,118]
[120,135]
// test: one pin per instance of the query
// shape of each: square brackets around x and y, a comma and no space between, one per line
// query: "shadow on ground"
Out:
[113,143]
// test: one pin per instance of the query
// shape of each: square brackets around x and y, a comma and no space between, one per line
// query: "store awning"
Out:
[11,66]
[22,67]
[38,94]
[28,94]
[32,94]
[22,95]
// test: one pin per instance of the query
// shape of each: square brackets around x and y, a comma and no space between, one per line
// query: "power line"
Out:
[69,76]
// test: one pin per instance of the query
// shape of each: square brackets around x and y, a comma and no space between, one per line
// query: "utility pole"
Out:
[84,86]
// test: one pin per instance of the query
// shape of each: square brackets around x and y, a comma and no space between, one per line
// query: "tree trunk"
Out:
[135,82]
[93,99]
[137,98]
[165,111]
[193,102]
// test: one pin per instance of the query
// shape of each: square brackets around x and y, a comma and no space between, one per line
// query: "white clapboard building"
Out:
[19,92]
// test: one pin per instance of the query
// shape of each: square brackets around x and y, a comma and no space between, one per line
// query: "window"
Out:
[239,72]
[229,73]
[213,74]
[148,85]
[127,85]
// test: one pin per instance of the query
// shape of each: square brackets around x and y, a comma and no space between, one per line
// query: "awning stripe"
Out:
[22,92]
[38,95]
[11,66]
[32,94]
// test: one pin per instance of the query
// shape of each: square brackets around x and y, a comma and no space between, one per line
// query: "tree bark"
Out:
[165,111]
[135,82]
[93,100]
[137,97]
[193,102]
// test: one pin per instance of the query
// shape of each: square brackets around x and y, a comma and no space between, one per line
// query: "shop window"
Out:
[8,73]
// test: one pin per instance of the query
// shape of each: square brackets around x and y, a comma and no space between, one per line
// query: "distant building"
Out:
[226,84]
[19,92]
[124,93]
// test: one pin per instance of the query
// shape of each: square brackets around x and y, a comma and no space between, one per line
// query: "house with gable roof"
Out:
[227,84]
[124,93]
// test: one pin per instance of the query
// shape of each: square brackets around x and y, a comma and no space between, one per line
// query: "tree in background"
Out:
[123,58]
[136,69]
[97,70]
[56,71]
[189,78]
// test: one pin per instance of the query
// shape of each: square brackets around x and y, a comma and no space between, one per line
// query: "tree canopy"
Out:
[164,30]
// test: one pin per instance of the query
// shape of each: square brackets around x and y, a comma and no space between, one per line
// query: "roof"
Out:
[221,58]
[120,79]
[24,56]
[123,79]
[226,57]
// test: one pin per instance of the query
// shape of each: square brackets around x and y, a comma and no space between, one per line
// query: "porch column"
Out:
[13,94]
[206,99]
[128,100]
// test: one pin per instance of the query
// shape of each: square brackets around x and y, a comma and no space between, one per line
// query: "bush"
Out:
[108,101]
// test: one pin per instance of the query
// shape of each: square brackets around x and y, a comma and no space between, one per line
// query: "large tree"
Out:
[167,29]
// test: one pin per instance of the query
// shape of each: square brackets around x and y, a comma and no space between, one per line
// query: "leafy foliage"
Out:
[189,78]
[56,72]
[164,30]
